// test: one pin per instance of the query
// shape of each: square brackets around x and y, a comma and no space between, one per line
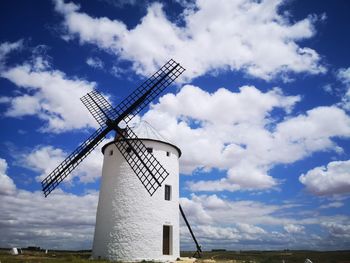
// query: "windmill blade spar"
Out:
[72,161]
[102,110]
[147,91]
[150,172]
[146,167]
[99,107]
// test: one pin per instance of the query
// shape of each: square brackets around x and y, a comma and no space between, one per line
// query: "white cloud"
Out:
[211,38]
[48,94]
[45,159]
[7,186]
[118,72]
[332,205]
[6,48]
[95,62]
[314,130]
[211,209]
[122,3]
[338,230]
[235,131]
[343,75]
[45,222]
[256,225]
[294,229]
[327,180]
[328,88]
[250,229]
[219,222]
[28,218]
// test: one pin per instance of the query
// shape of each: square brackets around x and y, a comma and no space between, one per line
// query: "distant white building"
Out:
[131,225]
[14,251]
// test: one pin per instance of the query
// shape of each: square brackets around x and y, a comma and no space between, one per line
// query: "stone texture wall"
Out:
[129,222]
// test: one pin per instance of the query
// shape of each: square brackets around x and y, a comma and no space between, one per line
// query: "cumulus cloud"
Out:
[343,75]
[7,186]
[210,39]
[216,223]
[123,3]
[47,222]
[237,132]
[95,62]
[8,47]
[338,230]
[48,94]
[29,219]
[51,223]
[256,225]
[45,159]
[334,178]
[293,229]
[211,209]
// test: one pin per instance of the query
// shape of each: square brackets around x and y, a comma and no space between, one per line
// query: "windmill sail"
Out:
[146,167]
[109,119]
[72,161]
[102,110]
[99,107]
[147,91]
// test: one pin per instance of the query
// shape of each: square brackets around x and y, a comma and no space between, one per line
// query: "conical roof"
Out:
[144,130]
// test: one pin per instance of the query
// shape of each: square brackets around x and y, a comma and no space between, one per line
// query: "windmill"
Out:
[149,171]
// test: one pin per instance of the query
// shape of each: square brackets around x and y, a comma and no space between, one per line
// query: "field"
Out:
[51,257]
[208,257]
[275,256]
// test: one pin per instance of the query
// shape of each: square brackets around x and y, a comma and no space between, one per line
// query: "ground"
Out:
[208,257]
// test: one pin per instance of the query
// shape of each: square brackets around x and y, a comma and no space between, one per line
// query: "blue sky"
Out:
[261,115]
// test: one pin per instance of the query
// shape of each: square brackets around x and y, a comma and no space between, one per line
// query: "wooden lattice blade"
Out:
[147,91]
[102,111]
[109,119]
[72,161]
[99,107]
[146,167]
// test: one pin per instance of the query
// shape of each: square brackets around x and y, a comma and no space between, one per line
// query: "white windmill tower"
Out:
[132,224]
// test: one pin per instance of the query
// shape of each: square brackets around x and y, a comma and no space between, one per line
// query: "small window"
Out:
[150,150]
[167,192]
[111,152]
[168,154]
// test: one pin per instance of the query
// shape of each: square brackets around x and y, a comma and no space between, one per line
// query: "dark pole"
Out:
[199,250]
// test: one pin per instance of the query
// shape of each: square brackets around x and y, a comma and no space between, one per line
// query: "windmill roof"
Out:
[145,131]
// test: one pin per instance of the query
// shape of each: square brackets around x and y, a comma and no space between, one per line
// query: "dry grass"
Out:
[51,257]
[208,257]
[274,257]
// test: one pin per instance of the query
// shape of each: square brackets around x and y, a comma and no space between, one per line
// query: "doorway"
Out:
[167,239]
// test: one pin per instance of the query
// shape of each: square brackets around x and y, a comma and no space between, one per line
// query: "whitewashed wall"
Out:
[129,222]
